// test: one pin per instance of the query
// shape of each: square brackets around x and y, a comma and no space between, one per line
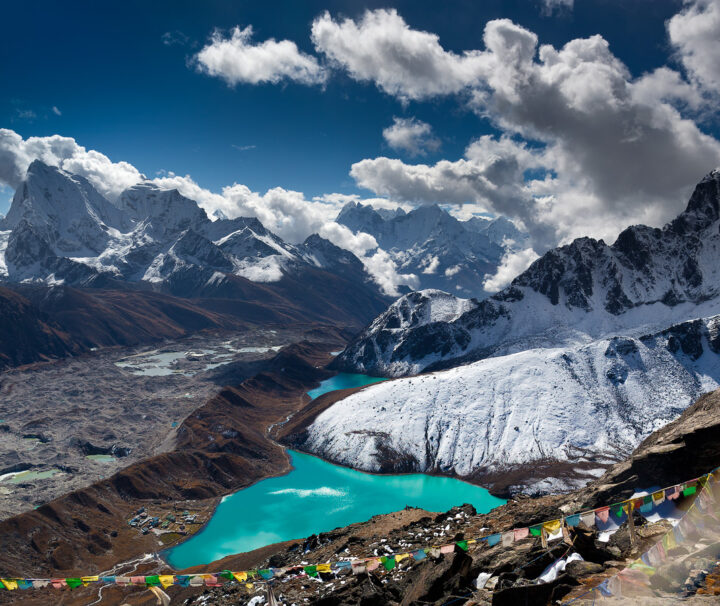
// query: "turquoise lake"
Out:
[317,496]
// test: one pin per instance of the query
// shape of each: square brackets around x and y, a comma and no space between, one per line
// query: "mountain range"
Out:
[152,264]
[541,386]
[440,250]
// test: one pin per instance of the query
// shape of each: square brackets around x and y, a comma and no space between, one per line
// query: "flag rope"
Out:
[548,530]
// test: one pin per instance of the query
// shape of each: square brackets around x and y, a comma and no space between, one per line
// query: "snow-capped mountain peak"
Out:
[443,252]
[60,229]
[648,278]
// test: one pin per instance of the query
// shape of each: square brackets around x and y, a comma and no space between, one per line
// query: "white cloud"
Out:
[511,265]
[695,34]
[432,265]
[451,271]
[56,111]
[609,149]
[403,62]
[236,59]
[243,147]
[552,6]
[412,136]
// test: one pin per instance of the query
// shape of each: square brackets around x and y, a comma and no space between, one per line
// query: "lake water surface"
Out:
[317,496]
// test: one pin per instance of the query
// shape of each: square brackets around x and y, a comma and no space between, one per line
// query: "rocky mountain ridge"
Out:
[647,280]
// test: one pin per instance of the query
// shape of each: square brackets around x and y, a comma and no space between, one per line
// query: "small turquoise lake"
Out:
[317,496]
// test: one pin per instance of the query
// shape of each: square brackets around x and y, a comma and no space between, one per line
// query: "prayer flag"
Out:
[447,548]
[419,555]
[689,490]
[226,574]
[508,538]
[388,562]
[602,513]
[107,579]
[573,520]
[269,574]
[311,571]
[240,577]
[320,568]
[358,567]
[9,584]
[72,583]
[24,584]
[493,539]
[152,580]
[462,545]
[184,579]
[135,580]
[588,518]
[166,580]
[373,564]
[536,531]
[658,497]
[552,526]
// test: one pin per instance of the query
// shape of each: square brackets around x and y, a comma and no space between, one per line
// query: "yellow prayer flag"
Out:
[552,527]
[323,568]
[89,579]
[240,577]
[401,556]
[249,586]
[166,580]
[9,584]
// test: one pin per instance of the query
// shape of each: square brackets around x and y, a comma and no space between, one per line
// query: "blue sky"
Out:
[104,74]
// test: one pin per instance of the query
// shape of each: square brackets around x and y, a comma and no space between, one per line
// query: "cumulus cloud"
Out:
[285,212]
[511,265]
[237,59]
[412,136]
[381,48]
[604,149]
[695,34]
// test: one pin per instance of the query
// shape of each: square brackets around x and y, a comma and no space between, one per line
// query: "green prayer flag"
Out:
[618,511]
[389,563]
[153,579]
[73,583]
[226,574]
[311,571]
[690,490]
[536,531]
[647,500]
[462,545]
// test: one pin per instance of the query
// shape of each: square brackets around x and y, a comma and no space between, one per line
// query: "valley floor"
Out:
[69,423]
